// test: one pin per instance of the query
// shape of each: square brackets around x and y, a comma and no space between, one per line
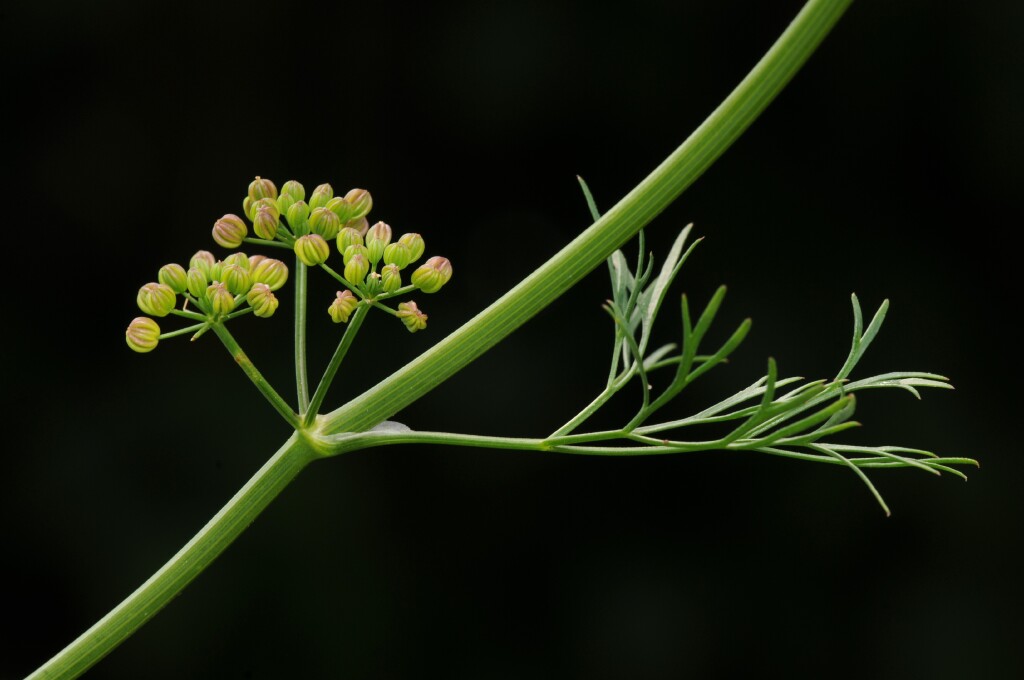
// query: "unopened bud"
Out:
[411,316]
[312,249]
[321,195]
[361,202]
[221,299]
[247,207]
[196,282]
[357,249]
[391,278]
[215,272]
[272,272]
[432,274]
[255,260]
[360,224]
[325,222]
[298,218]
[356,268]
[398,254]
[229,231]
[262,300]
[348,237]
[262,188]
[265,222]
[340,207]
[143,334]
[236,279]
[344,304]
[377,239]
[283,202]
[156,299]
[174,276]
[415,244]
[294,189]
[372,285]
[203,260]
[239,258]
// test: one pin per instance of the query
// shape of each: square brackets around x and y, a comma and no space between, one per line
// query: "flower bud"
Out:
[321,195]
[229,231]
[348,237]
[340,207]
[264,222]
[239,258]
[324,222]
[236,279]
[262,188]
[272,272]
[196,282]
[372,284]
[344,304]
[174,276]
[398,254]
[433,274]
[262,300]
[143,334]
[356,268]
[215,272]
[312,249]
[203,260]
[247,207]
[298,218]
[411,316]
[283,202]
[415,243]
[253,261]
[295,190]
[361,202]
[390,278]
[221,299]
[156,299]
[377,239]
[360,224]
[357,249]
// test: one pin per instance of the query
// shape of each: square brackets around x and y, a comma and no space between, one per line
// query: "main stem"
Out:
[188,563]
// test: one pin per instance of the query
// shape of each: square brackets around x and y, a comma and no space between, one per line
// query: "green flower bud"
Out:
[312,249]
[359,224]
[348,237]
[295,190]
[340,207]
[372,285]
[377,239]
[239,258]
[247,207]
[268,203]
[253,261]
[272,272]
[262,188]
[229,231]
[262,300]
[324,222]
[398,254]
[411,316]
[174,276]
[221,299]
[237,279]
[298,218]
[216,271]
[264,223]
[361,202]
[433,274]
[344,304]
[143,334]
[357,249]
[391,278]
[415,243]
[196,282]
[283,202]
[356,268]
[156,299]
[203,260]
[321,195]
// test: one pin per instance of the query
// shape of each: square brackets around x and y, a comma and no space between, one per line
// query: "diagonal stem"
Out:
[332,368]
[243,361]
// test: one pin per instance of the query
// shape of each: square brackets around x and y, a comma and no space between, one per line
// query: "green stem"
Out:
[243,361]
[301,375]
[332,368]
[265,242]
[615,227]
[189,562]
[182,331]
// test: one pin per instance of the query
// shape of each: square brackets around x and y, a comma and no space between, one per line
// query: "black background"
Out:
[889,167]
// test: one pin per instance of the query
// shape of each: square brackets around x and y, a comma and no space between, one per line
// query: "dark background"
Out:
[889,167]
